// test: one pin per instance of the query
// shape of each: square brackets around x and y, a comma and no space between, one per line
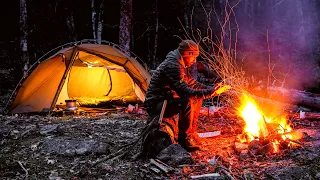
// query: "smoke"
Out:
[278,36]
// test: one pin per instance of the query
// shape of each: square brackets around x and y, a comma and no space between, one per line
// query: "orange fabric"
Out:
[129,78]
[38,91]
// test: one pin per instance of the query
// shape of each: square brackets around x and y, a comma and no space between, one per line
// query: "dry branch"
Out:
[225,171]
[160,165]
[24,169]
[210,175]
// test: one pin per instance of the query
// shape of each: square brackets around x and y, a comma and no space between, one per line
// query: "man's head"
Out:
[189,51]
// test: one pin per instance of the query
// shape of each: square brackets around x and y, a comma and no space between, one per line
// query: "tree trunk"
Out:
[71,27]
[186,16]
[125,24]
[97,20]
[24,35]
[153,35]
[100,22]
[155,60]
[93,20]
[302,24]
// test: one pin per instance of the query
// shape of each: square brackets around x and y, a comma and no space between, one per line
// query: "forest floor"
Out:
[42,147]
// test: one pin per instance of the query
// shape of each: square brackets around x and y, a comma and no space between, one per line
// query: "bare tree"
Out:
[186,15]
[71,27]
[24,35]
[153,35]
[97,20]
[125,24]
[301,21]
[93,19]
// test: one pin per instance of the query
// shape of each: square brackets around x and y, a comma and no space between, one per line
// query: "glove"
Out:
[220,88]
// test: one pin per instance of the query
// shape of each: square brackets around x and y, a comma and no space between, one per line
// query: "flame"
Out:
[255,120]
[258,124]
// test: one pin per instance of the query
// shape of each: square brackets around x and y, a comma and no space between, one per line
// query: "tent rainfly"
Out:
[87,72]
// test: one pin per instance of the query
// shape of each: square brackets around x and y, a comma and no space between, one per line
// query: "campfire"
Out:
[264,134]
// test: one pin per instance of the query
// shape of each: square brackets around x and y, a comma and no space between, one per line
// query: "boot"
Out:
[189,144]
[198,140]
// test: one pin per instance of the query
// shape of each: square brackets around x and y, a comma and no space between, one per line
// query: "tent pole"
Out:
[63,79]
[110,83]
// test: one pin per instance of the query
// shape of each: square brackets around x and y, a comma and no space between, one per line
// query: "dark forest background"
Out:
[283,33]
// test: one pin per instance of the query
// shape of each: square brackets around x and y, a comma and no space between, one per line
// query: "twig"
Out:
[24,169]
[160,165]
[225,171]
[277,4]
[192,165]
[205,176]
[227,174]
[295,141]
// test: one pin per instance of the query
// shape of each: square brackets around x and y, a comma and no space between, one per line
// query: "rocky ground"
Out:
[64,146]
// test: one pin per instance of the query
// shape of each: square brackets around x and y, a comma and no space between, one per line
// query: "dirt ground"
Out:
[23,138]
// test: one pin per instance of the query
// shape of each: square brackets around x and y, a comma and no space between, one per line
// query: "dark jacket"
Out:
[202,73]
[172,79]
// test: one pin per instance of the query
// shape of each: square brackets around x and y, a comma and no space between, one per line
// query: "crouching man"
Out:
[172,81]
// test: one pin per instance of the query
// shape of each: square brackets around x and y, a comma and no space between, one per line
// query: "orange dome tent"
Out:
[85,71]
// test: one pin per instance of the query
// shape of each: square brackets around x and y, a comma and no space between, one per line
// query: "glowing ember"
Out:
[260,127]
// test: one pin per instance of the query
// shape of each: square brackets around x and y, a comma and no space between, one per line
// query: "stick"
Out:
[24,169]
[164,105]
[164,164]
[227,174]
[295,141]
[224,170]
[206,176]
[192,165]
[163,167]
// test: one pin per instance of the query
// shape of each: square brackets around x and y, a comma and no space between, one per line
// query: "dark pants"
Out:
[188,110]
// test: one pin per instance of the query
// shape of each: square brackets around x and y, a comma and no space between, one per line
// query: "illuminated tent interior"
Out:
[89,73]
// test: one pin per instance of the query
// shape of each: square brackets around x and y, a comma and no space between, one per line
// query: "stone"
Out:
[240,146]
[48,128]
[175,155]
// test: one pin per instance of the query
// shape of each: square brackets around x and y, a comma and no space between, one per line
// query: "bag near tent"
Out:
[86,72]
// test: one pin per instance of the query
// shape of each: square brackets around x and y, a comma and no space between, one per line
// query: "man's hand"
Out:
[219,89]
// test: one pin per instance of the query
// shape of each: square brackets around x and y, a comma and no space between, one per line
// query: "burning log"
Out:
[265,134]
[260,147]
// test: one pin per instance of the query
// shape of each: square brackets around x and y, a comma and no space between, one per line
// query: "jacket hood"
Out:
[175,54]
